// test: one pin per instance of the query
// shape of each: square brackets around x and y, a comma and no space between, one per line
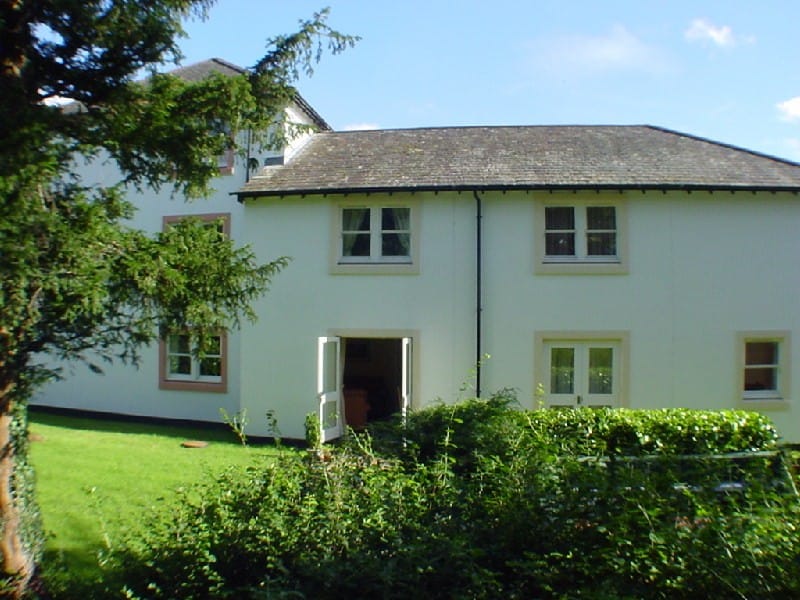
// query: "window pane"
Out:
[180,365]
[330,414]
[395,244]
[560,244]
[601,244]
[355,244]
[355,219]
[760,378]
[211,367]
[214,346]
[395,219]
[179,344]
[330,367]
[559,217]
[562,370]
[601,217]
[601,369]
[761,353]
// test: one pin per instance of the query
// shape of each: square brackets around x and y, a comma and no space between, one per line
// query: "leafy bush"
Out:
[489,427]
[480,500]
[347,526]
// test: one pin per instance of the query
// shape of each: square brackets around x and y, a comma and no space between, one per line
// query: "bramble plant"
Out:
[237,423]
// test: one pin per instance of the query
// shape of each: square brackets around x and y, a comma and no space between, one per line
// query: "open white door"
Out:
[329,388]
[405,389]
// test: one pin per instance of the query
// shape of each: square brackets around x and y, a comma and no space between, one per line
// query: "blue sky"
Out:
[727,70]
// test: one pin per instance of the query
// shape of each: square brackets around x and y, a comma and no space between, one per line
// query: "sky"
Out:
[724,70]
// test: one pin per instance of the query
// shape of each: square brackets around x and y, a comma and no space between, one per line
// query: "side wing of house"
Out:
[169,382]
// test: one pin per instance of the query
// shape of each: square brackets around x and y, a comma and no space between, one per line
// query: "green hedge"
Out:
[493,427]
[662,431]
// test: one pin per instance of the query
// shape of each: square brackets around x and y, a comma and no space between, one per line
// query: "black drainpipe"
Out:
[247,157]
[478,303]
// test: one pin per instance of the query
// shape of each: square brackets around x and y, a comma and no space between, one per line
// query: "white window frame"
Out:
[375,263]
[580,262]
[582,341]
[223,218]
[775,398]
[193,381]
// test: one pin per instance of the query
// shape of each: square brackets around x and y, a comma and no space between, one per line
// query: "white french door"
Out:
[405,387]
[329,388]
[582,373]
[331,368]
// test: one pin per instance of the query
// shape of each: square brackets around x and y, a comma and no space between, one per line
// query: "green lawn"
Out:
[97,479]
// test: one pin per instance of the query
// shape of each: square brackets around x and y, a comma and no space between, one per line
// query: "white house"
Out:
[603,265]
[612,266]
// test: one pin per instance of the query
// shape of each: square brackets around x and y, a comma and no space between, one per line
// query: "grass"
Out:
[98,479]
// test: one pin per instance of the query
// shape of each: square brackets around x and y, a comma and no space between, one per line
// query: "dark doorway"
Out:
[372,379]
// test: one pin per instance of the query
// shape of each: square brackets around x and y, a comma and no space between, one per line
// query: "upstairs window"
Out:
[221,221]
[376,234]
[375,239]
[581,237]
[581,233]
[225,162]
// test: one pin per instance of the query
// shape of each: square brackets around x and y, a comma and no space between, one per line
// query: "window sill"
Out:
[374,268]
[193,386]
[577,267]
[763,403]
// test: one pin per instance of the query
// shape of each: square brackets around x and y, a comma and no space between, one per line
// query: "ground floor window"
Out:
[180,369]
[764,365]
[577,371]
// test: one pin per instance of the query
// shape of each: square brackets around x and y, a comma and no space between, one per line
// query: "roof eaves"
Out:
[662,187]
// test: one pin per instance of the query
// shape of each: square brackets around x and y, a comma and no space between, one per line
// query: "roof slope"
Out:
[201,70]
[531,157]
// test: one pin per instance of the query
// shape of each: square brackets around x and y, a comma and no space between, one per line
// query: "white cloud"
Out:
[790,109]
[703,31]
[618,50]
[360,127]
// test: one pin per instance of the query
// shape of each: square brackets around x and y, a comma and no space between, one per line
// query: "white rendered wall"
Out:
[307,301]
[702,267]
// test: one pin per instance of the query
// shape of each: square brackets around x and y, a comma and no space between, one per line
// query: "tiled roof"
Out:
[534,157]
[201,70]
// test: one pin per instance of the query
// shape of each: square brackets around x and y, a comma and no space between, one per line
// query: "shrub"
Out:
[481,500]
